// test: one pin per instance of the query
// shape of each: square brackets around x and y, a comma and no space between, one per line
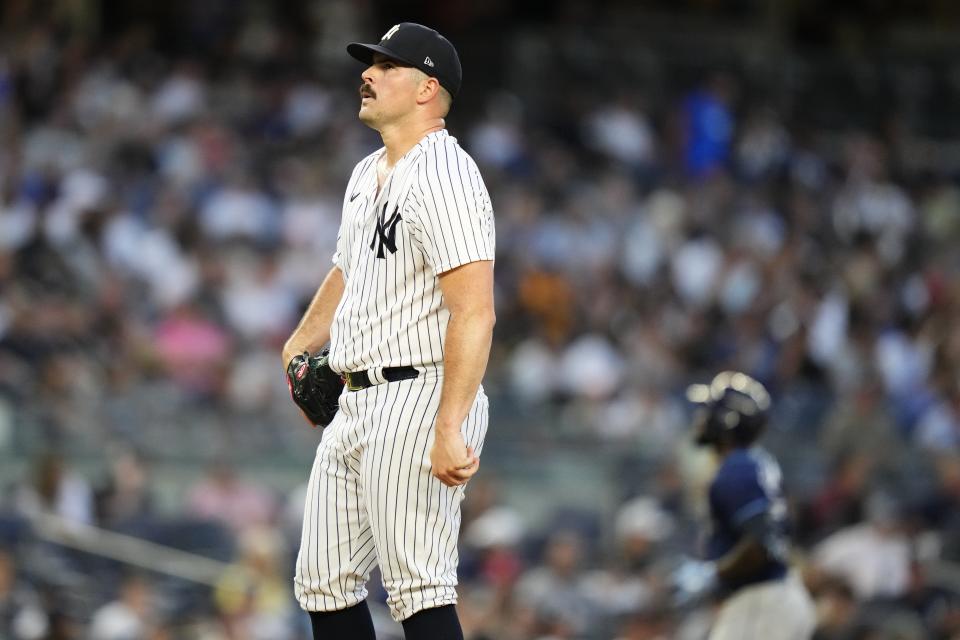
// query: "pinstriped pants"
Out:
[372,500]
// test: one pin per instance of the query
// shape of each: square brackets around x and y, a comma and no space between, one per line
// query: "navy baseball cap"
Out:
[417,46]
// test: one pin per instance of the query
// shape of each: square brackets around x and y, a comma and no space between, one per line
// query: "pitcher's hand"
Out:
[452,461]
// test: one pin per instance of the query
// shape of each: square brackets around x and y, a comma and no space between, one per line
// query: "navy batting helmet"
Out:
[733,408]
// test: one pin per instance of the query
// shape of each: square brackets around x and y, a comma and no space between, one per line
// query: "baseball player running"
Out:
[408,311]
[747,547]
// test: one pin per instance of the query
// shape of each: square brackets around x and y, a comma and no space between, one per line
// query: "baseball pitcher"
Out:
[408,311]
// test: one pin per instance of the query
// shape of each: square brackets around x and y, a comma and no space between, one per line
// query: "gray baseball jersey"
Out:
[371,498]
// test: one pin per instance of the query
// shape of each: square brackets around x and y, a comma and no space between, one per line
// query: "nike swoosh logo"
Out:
[354,196]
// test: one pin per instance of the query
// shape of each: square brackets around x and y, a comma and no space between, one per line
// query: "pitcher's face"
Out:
[388,92]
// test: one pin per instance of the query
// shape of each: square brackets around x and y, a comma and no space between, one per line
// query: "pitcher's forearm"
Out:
[314,329]
[466,352]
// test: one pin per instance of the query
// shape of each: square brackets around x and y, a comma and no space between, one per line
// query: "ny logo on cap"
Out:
[392,31]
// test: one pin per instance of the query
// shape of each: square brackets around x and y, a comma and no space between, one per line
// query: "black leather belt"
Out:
[357,380]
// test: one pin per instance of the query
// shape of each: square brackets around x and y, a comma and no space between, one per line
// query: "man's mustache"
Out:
[366,91]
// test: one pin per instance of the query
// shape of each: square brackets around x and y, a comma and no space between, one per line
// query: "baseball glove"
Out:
[315,387]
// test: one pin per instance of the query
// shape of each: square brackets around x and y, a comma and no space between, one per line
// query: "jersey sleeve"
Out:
[736,496]
[337,258]
[453,222]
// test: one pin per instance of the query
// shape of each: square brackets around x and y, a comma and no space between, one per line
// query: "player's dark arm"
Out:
[751,554]
[468,295]
[314,329]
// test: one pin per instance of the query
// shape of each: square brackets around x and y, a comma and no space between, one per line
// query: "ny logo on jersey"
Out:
[386,233]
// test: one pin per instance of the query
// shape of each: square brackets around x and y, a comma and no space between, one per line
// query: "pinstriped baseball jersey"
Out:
[432,214]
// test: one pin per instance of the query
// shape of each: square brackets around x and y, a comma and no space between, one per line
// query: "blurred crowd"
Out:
[165,218]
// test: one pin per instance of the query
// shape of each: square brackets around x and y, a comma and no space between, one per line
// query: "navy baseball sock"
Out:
[440,623]
[352,623]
